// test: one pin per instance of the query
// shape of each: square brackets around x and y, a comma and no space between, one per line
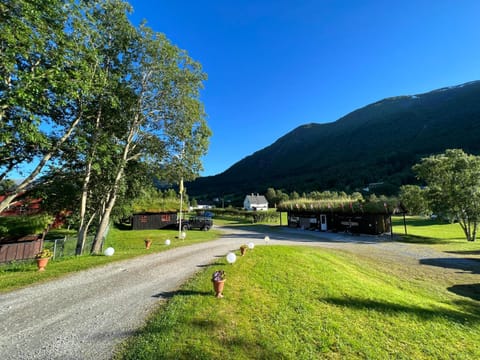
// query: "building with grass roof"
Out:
[344,215]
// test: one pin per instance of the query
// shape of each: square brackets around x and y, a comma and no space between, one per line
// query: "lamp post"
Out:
[181,193]
[181,203]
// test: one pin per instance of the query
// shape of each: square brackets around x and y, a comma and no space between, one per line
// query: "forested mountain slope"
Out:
[377,143]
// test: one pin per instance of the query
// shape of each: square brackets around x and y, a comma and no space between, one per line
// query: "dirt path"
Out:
[84,315]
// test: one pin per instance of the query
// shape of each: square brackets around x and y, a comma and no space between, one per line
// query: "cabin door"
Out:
[323,222]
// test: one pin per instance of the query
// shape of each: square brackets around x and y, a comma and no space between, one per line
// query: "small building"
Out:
[24,206]
[255,203]
[342,216]
[202,205]
[153,221]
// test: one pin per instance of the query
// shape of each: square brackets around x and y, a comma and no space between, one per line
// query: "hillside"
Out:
[377,143]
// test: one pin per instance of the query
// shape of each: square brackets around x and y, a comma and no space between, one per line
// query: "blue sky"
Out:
[275,65]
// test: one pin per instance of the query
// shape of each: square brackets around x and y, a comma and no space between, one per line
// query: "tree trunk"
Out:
[82,235]
[105,219]
[474,233]
[82,232]
[465,225]
[129,145]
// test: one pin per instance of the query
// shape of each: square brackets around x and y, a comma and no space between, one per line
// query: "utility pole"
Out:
[181,203]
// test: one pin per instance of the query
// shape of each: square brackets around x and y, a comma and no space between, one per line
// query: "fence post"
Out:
[54,249]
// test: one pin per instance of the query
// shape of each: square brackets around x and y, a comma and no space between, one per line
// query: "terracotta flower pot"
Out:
[148,243]
[218,288]
[41,263]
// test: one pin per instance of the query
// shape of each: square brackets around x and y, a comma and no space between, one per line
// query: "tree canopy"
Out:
[86,95]
[453,187]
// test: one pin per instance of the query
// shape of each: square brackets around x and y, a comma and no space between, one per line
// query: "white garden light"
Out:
[231,257]
[109,251]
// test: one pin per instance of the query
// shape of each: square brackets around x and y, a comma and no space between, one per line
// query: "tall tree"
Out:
[164,122]
[110,36]
[453,187]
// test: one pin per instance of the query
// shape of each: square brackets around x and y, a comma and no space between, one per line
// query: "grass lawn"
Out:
[127,244]
[296,302]
[439,235]
[309,303]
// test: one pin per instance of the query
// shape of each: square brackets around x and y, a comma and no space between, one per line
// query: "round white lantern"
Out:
[251,245]
[109,251]
[231,257]
[167,242]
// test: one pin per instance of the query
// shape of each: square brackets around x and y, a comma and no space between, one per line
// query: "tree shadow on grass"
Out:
[471,291]
[392,308]
[466,264]
[244,236]
[15,269]
[170,294]
[465,252]
[471,265]
[211,264]
[415,239]
[123,226]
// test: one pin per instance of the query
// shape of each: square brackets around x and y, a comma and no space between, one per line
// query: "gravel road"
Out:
[84,315]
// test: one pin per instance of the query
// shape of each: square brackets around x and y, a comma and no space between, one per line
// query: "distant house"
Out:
[255,203]
[22,207]
[203,205]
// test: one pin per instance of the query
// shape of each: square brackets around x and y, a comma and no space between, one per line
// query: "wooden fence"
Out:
[24,248]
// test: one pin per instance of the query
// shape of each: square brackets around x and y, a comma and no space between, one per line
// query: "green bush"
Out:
[251,216]
[18,226]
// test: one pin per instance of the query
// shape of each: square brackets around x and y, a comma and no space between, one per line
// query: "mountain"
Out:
[378,143]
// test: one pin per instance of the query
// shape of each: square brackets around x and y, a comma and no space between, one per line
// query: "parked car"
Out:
[198,222]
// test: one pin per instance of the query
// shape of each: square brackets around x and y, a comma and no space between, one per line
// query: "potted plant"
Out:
[218,279]
[42,258]
[243,249]
[148,243]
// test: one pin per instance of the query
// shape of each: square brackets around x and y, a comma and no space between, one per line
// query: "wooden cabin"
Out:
[152,221]
[352,217]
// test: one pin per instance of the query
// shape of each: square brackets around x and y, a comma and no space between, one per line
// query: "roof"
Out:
[346,206]
[256,199]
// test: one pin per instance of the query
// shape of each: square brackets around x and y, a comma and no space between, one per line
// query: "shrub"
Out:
[18,226]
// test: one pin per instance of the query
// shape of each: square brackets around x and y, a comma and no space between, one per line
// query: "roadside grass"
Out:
[305,303]
[266,226]
[127,244]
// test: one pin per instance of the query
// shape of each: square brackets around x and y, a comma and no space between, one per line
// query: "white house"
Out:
[255,202]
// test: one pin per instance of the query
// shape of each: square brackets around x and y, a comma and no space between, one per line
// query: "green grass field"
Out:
[298,302]
[439,235]
[310,303]
[127,244]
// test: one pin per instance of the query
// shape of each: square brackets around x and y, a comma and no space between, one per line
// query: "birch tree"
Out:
[166,118]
